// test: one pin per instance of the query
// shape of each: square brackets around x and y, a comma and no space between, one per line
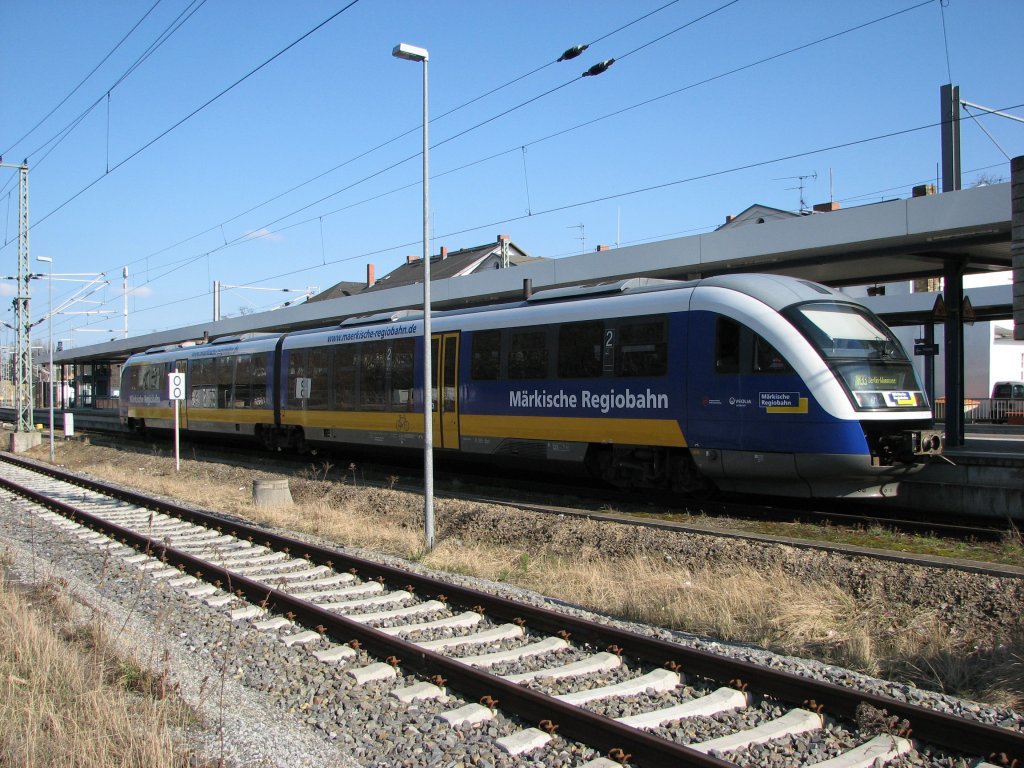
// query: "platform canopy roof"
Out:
[882,242]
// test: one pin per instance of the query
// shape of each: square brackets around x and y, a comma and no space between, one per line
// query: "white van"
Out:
[1008,402]
[1008,390]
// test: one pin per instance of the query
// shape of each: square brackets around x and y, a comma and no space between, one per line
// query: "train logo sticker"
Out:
[782,402]
[900,398]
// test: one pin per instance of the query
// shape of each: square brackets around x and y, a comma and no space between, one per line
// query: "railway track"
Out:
[593,499]
[548,677]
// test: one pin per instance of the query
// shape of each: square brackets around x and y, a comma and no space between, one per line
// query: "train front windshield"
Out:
[863,352]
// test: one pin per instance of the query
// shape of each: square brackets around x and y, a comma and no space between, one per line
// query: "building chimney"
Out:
[923,190]
[411,259]
[371,275]
[603,248]
[503,238]
[826,207]
[444,252]
[729,219]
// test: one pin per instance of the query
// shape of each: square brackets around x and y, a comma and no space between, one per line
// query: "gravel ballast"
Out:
[281,708]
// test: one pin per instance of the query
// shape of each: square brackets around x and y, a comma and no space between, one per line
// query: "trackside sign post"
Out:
[176,389]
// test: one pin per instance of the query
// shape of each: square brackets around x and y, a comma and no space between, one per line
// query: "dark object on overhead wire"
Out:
[597,69]
[573,52]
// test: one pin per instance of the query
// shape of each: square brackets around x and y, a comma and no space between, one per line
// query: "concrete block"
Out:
[23,441]
[271,493]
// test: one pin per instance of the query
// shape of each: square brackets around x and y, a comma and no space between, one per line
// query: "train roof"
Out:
[777,291]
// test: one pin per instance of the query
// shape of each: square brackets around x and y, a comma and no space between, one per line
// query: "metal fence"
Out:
[985,410]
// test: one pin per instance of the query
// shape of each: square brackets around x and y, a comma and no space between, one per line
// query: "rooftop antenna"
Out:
[812,176]
[583,235]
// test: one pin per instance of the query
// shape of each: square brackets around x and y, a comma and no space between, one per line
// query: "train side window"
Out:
[727,346]
[767,359]
[297,378]
[242,396]
[259,381]
[643,350]
[373,375]
[150,378]
[486,356]
[346,362]
[318,373]
[528,354]
[580,350]
[225,373]
[403,352]
[203,382]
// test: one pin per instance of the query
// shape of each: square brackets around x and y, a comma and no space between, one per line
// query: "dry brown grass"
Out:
[66,698]
[768,607]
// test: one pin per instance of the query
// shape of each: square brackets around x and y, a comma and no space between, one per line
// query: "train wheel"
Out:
[298,442]
[267,437]
[687,479]
[599,463]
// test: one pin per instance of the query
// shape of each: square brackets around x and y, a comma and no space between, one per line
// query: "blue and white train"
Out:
[742,382]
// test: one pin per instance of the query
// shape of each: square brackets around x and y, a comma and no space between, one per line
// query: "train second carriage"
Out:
[746,382]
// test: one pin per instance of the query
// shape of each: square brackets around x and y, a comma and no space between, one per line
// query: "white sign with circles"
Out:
[176,385]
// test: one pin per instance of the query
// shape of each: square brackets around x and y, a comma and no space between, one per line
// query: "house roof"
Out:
[757,214]
[444,265]
[450,264]
[338,290]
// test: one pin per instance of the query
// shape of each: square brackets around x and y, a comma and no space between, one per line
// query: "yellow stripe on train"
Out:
[665,432]
[576,430]
[801,408]
[556,428]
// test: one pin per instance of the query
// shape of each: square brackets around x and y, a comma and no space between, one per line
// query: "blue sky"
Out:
[273,182]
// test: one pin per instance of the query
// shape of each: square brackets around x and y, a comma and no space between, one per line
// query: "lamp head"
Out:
[410,52]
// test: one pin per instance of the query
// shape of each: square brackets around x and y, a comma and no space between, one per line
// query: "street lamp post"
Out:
[412,53]
[49,324]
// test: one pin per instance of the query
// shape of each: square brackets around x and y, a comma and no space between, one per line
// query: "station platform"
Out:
[983,478]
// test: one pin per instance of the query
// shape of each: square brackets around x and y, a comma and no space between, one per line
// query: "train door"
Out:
[181,366]
[445,372]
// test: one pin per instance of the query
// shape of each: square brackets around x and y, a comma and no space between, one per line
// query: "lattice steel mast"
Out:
[23,352]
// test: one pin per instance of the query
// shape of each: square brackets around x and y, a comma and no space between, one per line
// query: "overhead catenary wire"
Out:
[634,106]
[55,141]
[268,224]
[581,203]
[402,135]
[897,187]
[985,131]
[82,82]
[183,263]
[66,131]
[190,260]
[194,112]
[615,113]
[176,125]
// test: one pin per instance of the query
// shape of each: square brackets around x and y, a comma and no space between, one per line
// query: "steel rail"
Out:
[938,524]
[946,525]
[590,728]
[929,725]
